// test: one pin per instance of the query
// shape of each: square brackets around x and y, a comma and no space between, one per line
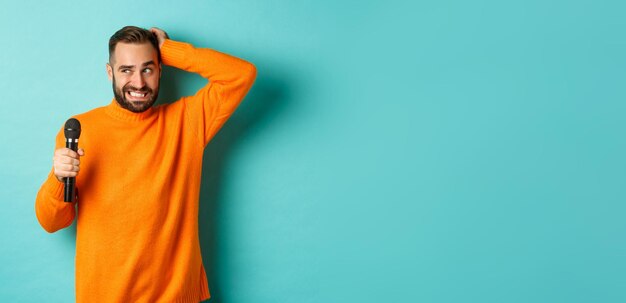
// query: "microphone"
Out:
[72,132]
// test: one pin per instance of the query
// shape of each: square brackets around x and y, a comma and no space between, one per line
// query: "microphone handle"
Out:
[70,182]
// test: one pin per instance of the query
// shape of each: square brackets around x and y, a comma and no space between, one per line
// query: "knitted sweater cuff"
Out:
[173,53]
[53,187]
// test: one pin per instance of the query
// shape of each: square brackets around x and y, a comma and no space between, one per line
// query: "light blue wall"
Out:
[431,151]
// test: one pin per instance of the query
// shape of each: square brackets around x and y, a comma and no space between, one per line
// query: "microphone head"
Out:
[72,129]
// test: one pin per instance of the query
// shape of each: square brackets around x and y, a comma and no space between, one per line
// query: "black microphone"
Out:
[72,132]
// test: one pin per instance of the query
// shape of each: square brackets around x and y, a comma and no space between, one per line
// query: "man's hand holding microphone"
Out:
[67,160]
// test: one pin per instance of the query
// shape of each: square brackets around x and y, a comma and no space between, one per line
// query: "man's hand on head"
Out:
[160,34]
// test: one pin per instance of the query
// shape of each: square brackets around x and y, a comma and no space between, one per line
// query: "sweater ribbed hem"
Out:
[196,295]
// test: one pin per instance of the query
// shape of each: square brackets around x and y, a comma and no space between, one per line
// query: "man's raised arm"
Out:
[230,79]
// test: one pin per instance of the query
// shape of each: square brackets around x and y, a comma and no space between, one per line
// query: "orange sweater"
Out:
[139,184]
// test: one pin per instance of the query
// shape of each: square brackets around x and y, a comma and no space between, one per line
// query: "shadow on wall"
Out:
[263,104]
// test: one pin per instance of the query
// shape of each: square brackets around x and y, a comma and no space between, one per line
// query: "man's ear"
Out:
[110,72]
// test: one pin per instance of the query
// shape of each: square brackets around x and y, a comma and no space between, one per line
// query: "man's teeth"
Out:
[134,94]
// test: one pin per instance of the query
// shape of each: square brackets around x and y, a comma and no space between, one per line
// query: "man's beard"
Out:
[135,107]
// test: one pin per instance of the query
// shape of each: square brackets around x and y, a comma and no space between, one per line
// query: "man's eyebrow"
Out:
[151,62]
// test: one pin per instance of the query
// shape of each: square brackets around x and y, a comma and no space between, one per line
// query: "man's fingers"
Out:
[69,167]
[66,152]
[66,168]
[157,31]
[160,34]
[69,152]
[68,160]
[63,174]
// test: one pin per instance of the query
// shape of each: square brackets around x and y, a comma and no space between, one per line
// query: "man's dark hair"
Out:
[133,34]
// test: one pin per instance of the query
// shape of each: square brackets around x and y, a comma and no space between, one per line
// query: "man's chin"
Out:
[139,106]
[135,106]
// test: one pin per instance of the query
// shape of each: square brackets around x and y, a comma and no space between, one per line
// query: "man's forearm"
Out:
[218,67]
[51,211]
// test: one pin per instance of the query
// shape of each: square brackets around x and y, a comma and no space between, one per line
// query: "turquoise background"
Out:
[390,151]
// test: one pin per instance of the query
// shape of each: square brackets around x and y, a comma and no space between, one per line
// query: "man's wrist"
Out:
[173,53]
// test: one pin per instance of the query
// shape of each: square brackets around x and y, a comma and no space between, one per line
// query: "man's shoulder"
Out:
[90,114]
[171,107]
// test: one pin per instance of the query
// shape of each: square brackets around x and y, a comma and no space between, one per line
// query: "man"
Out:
[139,182]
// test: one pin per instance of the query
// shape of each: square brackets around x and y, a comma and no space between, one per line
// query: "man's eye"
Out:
[147,70]
[126,71]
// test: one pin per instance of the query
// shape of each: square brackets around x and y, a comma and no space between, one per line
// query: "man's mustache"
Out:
[144,89]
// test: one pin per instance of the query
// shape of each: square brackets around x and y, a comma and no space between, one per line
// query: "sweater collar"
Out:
[118,112]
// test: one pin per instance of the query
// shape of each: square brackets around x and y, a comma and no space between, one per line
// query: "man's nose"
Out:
[138,80]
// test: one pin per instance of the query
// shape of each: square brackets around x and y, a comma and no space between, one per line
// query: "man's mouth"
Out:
[136,95]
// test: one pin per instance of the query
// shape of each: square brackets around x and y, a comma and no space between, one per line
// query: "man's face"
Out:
[135,72]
